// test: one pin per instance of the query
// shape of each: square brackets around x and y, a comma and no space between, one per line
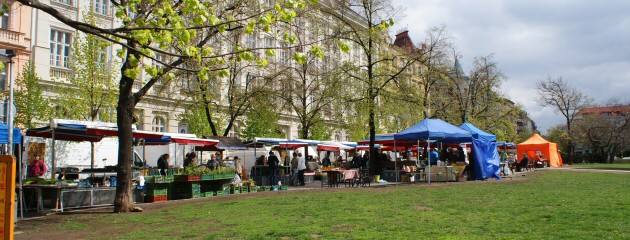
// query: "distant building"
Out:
[15,34]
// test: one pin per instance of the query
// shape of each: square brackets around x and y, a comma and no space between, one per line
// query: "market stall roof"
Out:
[383,139]
[181,138]
[70,130]
[4,134]
[350,144]
[225,143]
[261,142]
[332,146]
[434,129]
[292,144]
[478,133]
[309,142]
[79,131]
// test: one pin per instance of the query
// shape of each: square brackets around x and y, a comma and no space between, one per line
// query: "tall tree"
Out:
[556,93]
[179,29]
[29,98]
[606,133]
[365,24]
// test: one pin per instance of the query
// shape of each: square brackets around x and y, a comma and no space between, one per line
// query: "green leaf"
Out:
[270,52]
[343,46]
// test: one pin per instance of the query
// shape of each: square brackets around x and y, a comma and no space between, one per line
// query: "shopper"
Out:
[301,166]
[273,162]
[163,163]
[37,168]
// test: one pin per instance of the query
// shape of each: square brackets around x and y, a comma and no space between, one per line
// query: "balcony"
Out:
[12,39]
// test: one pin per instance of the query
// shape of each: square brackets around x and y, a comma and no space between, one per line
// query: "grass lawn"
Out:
[542,205]
[614,166]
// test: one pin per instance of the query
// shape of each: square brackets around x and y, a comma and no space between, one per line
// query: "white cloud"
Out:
[584,41]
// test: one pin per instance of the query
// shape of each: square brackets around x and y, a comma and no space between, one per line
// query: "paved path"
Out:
[591,170]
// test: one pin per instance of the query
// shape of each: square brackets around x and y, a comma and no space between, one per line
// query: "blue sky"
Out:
[587,42]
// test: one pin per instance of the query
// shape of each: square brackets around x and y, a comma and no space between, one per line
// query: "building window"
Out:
[60,48]
[159,124]
[3,77]
[101,7]
[67,2]
[4,20]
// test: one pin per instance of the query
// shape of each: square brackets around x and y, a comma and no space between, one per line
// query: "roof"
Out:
[458,70]
[535,139]
[225,143]
[611,110]
[478,133]
[434,129]
[404,41]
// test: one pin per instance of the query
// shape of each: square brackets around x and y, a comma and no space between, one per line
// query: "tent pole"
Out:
[429,161]
[21,177]
[255,147]
[395,161]
[52,170]
[144,158]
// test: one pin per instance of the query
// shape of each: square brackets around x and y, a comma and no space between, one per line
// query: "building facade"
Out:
[15,35]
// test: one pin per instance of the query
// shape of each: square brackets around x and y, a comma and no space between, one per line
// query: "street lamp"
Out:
[10,54]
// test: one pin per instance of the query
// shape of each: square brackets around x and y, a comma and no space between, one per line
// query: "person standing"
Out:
[294,169]
[301,166]
[163,163]
[37,168]
[326,161]
[238,165]
[211,164]
[272,162]
[434,156]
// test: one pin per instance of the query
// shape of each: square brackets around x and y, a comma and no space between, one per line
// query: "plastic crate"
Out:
[219,193]
[187,178]
[149,179]
[226,187]
[153,189]
[207,177]
[169,178]
[150,199]
[252,188]
[284,187]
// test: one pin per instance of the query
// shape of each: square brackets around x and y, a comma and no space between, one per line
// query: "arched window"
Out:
[159,124]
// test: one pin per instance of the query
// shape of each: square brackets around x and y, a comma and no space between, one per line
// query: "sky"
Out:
[585,42]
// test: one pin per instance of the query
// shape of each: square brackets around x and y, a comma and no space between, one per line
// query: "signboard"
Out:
[182,128]
[7,196]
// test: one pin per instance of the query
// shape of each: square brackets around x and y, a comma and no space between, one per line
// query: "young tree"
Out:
[261,120]
[178,29]
[90,93]
[555,92]
[29,98]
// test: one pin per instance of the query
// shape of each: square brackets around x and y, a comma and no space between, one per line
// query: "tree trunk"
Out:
[124,113]
[569,143]
[372,125]
[92,156]
[209,118]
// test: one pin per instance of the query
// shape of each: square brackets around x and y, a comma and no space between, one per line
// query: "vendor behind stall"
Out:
[37,168]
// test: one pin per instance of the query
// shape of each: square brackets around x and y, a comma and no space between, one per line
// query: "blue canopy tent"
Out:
[485,154]
[434,129]
[4,134]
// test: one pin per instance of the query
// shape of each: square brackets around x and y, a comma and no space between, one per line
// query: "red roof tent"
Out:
[113,132]
[326,147]
[184,139]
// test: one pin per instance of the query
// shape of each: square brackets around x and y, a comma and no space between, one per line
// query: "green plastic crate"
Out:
[207,177]
[284,187]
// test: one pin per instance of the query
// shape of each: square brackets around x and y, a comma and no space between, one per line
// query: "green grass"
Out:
[614,166]
[550,205]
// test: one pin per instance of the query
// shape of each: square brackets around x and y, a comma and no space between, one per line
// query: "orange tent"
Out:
[537,143]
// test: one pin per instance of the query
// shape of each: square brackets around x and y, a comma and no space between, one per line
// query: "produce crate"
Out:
[275,188]
[226,186]
[219,193]
[185,190]
[149,179]
[150,199]
[187,178]
[244,189]
[208,194]
[252,188]
[207,177]
[284,187]
[229,175]
[159,189]
[169,178]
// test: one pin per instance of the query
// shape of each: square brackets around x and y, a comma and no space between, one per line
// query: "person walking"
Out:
[163,163]
[273,162]
[37,168]
[301,166]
